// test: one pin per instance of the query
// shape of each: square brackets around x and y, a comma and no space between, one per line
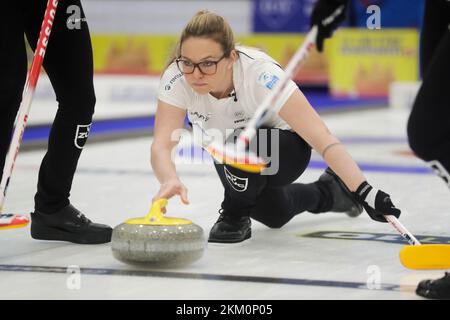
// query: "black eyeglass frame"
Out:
[197,65]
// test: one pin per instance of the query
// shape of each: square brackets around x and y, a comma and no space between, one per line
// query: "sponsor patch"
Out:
[237,183]
[169,85]
[203,117]
[81,135]
[268,80]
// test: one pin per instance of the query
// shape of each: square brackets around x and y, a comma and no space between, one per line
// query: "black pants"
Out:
[429,122]
[68,63]
[272,199]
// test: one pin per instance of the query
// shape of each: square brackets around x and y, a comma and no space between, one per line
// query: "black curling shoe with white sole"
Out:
[68,224]
[230,230]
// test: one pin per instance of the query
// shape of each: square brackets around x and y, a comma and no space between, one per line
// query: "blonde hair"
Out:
[206,24]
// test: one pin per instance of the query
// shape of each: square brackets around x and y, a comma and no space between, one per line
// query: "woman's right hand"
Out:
[171,188]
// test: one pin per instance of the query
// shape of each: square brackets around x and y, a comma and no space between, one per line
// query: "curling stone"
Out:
[157,239]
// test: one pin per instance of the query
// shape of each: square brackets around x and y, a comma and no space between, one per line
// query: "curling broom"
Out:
[8,221]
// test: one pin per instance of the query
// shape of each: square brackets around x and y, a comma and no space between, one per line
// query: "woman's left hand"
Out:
[376,202]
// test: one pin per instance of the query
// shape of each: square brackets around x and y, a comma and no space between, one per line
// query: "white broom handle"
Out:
[402,230]
[296,61]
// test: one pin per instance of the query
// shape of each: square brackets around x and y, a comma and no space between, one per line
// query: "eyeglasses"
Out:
[207,67]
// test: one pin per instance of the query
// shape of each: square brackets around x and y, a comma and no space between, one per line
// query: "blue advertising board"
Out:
[282,15]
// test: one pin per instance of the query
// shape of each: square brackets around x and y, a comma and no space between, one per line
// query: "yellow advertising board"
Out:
[282,47]
[364,62]
[356,62]
[148,54]
[133,54]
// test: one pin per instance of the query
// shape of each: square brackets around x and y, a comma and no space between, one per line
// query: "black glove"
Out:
[327,15]
[376,202]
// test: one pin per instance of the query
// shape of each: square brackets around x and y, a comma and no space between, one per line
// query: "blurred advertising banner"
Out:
[282,15]
[149,54]
[282,47]
[132,54]
[356,62]
[364,62]
[394,13]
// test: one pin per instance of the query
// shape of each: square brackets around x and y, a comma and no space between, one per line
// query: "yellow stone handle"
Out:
[155,214]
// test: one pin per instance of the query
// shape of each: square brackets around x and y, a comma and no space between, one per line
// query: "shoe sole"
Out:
[53,234]
[229,244]
[216,241]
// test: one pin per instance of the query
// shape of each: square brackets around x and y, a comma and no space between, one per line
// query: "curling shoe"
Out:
[342,198]
[435,289]
[230,229]
[68,224]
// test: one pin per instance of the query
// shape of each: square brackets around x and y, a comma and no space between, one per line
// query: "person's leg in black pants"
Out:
[13,72]
[429,122]
[274,199]
[68,63]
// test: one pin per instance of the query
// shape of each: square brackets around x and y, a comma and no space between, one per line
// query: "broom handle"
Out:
[402,230]
[27,97]
[294,64]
